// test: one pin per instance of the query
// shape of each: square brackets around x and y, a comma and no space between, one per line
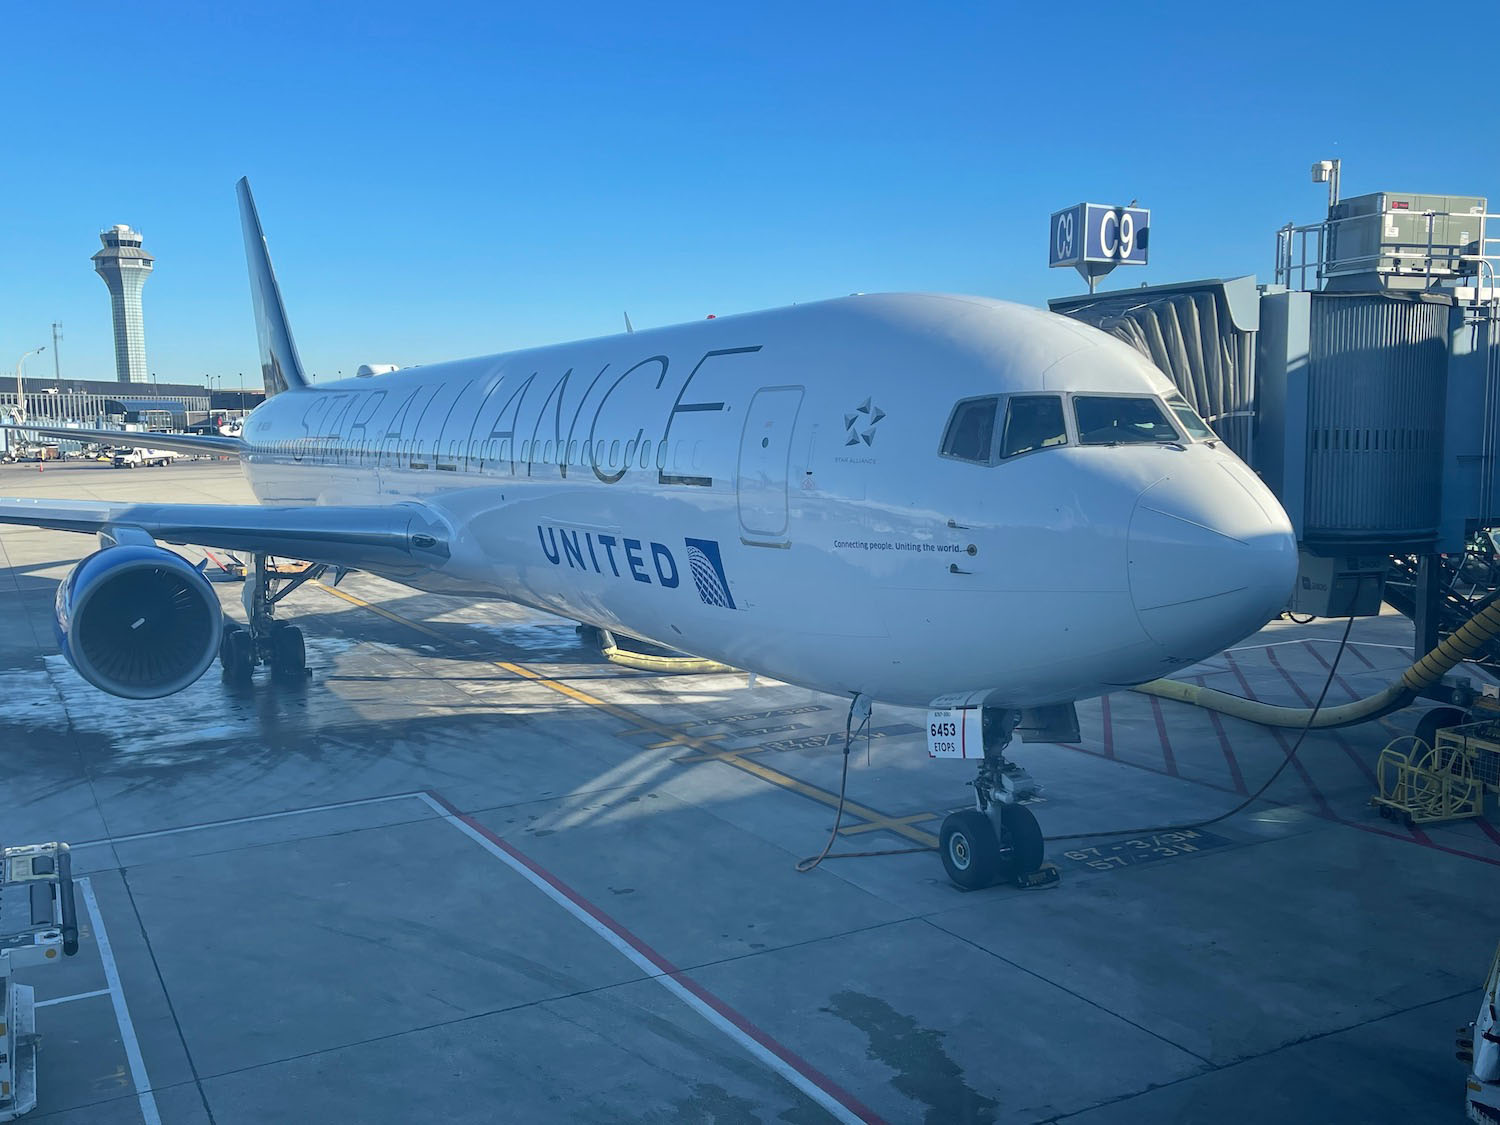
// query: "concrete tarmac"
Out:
[470,872]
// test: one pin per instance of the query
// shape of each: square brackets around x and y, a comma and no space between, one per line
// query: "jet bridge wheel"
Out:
[1435,720]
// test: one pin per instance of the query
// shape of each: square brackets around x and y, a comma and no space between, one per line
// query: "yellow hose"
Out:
[1422,674]
[649,662]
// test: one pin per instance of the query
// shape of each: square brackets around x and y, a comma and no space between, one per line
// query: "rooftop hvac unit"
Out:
[1401,240]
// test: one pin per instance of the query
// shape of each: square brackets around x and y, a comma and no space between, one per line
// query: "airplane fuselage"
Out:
[771,491]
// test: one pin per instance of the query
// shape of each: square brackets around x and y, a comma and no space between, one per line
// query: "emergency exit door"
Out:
[765,455]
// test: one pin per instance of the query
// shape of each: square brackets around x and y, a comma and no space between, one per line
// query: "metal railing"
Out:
[1301,250]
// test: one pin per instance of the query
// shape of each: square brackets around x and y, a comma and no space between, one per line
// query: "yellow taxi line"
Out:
[874,821]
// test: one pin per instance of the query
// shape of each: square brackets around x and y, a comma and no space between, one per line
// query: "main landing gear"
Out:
[998,838]
[266,640]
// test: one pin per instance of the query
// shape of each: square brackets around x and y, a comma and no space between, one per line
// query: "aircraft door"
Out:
[765,455]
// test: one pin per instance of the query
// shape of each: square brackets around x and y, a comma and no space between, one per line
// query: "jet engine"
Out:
[138,621]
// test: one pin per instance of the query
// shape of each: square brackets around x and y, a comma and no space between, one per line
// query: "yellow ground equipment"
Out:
[1421,784]
[628,656]
[1480,743]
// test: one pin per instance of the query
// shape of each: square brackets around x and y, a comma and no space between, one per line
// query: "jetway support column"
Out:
[1429,593]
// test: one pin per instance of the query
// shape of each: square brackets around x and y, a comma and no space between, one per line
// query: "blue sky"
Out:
[446,179]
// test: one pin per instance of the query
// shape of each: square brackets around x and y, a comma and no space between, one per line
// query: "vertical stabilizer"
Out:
[279,365]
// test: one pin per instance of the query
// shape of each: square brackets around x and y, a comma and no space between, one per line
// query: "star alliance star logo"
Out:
[860,425]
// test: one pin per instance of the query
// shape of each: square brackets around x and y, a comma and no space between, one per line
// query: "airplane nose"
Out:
[1212,558]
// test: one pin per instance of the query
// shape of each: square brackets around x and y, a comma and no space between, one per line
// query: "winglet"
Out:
[279,365]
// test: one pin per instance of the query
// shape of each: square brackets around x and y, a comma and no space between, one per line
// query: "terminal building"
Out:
[105,403]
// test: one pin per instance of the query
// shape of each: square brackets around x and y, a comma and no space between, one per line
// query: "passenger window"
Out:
[1195,426]
[1121,421]
[971,431]
[1032,422]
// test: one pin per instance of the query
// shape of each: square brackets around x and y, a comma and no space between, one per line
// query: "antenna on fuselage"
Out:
[628,326]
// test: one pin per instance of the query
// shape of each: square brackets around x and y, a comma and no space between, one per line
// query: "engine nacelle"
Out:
[138,621]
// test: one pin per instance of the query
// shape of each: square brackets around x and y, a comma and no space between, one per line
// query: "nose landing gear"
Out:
[998,838]
[266,640]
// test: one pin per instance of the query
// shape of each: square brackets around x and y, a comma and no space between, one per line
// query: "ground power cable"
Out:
[1291,756]
[812,862]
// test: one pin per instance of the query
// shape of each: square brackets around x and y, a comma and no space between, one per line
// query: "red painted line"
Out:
[1339,740]
[1109,726]
[1488,829]
[1343,684]
[1142,766]
[1425,842]
[1229,757]
[1317,794]
[1285,675]
[1166,744]
[1354,651]
[1234,666]
[785,1054]
[1323,812]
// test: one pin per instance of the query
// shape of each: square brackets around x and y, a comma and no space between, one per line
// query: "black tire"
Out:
[970,850]
[229,628]
[237,654]
[288,652]
[1432,722]
[1022,835]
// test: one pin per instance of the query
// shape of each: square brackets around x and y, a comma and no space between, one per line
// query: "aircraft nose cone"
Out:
[1212,558]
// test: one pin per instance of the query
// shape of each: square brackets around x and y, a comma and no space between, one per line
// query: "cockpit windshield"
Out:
[1028,423]
[1196,427]
[971,431]
[1032,422]
[1118,420]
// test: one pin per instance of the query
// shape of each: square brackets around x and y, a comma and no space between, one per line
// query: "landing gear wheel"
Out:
[970,850]
[288,653]
[1023,836]
[1435,720]
[237,655]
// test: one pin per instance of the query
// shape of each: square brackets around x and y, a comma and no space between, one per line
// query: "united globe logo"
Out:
[707,569]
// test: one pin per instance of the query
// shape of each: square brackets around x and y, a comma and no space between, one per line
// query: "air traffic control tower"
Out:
[124,266]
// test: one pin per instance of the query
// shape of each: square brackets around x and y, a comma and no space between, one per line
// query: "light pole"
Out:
[1327,171]
[20,389]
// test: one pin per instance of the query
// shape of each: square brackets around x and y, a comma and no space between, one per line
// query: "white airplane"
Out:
[949,502]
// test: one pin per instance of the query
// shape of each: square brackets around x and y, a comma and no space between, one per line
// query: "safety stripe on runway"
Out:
[840,1103]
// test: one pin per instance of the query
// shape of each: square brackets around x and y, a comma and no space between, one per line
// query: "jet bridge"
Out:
[1363,385]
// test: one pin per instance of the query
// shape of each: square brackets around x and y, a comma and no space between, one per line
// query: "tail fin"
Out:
[279,365]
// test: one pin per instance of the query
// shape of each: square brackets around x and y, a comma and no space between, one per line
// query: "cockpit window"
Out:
[1114,420]
[1032,422]
[1196,427]
[971,430]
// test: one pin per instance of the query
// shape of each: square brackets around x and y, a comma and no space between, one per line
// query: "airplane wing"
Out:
[407,535]
[183,443]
